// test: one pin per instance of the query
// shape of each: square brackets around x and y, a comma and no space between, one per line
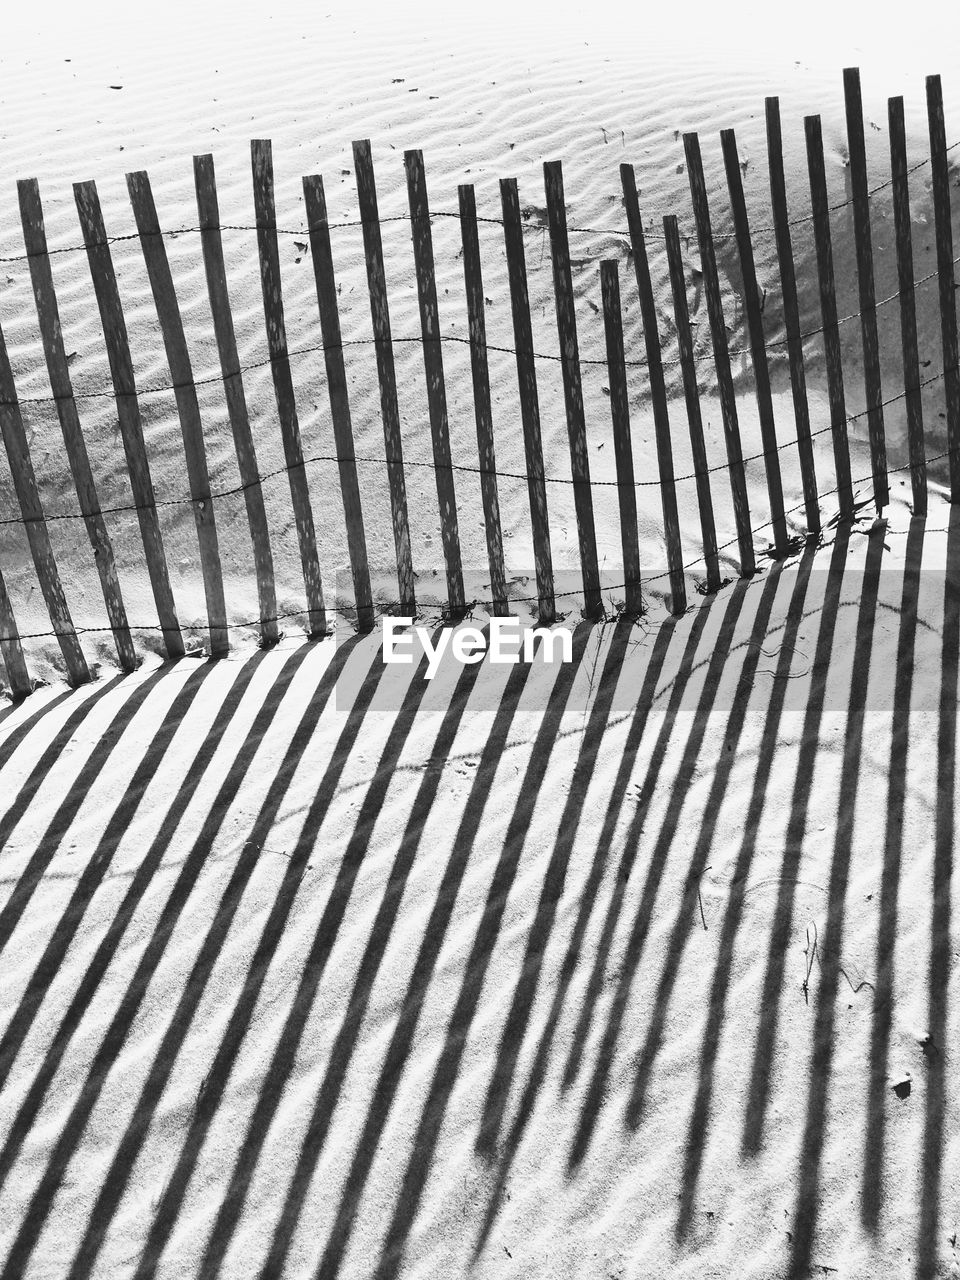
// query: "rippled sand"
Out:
[639,967]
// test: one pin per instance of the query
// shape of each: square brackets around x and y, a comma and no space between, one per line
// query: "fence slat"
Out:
[322,254]
[433,368]
[10,649]
[58,371]
[473,283]
[622,446]
[208,213]
[758,349]
[529,398]
[572,387]
[386,373]
[828,310]
[128,408]
[658,392]
[31,509]
[791,315]
[868,303]
[908,310]
[946,275]
[678,285]
[188,406]
[262,165]
[721,354]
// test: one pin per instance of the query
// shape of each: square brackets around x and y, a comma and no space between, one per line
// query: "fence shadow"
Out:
[302,983]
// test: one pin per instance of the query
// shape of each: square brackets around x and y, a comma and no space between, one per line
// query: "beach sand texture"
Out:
[642,966]
[480,109]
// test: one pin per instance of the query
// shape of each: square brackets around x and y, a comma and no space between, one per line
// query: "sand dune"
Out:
[593,970]
[635,967]
[479,113]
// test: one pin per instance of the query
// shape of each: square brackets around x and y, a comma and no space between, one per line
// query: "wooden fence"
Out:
[317,609]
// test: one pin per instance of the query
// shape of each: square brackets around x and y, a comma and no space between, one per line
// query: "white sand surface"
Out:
[484,100]
[602,970]
[606,970]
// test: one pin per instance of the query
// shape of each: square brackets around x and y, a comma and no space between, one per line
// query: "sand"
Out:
[481,107]
[599,970]
[596,970]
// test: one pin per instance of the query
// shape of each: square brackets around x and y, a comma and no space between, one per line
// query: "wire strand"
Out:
[386,607]
[529,225]
[466,468]
[161,388]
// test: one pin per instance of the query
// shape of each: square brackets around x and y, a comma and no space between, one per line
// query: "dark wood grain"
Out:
[529,397]
[386,372]
[261,160]
[208,212]
[758,348]
[868,302]
[483,409]
[946,275]
[38,536]
[688,369]
[721,354]
[433,369]
[11,650]
[188,406]
[322,253]
[128,409]
[622,446]
[58,371]
[791,315]
[908,306]
[572,387]
[828,313]
[658,392]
